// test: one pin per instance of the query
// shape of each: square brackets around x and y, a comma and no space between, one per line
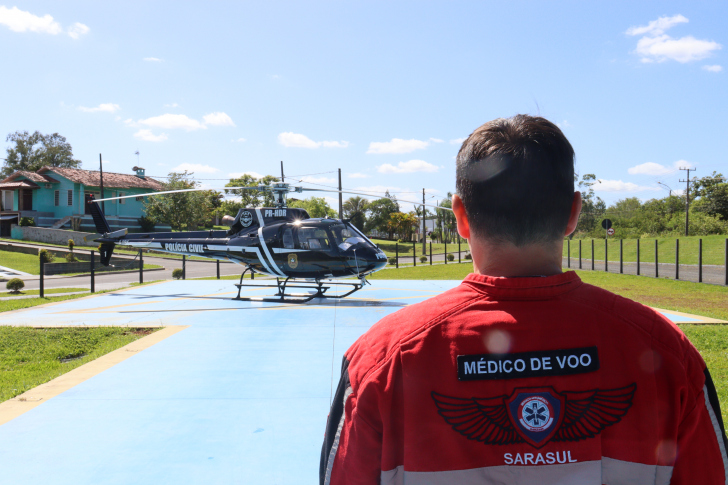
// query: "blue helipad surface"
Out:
[241,396]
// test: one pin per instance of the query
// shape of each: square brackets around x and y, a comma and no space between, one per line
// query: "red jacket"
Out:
[524,381]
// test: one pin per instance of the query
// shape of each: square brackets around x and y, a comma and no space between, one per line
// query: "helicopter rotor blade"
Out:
[198,189]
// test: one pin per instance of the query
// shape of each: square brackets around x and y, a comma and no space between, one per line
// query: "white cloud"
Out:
[713,68]
[234,175]
[652,168]
[171,105]
[147,135]
[289,139]
[436,140]
[195,167]
[657,46]
[218,119]
[457,141]
[77,30]
[397,145]
[153,59]
[358,175]
[21,21]
[659,26]
[171,121]
[103,107]
[620,186]
[239,140]
[408,167]
[564,124]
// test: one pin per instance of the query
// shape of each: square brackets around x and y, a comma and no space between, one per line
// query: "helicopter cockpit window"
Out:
[288,242]
[313,238]
[345,237]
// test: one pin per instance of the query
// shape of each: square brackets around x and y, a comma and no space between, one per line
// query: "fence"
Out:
[93,266]
[689,259]
[444,257]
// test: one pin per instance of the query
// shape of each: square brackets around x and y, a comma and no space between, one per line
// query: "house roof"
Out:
[111,179]
[35,177]
[21,184]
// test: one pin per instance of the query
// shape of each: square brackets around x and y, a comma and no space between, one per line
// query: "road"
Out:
[715,275]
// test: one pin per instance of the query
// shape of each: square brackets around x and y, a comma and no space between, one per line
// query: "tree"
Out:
[355,209]
[446,218]
[33,152]
[592,206]
[315,206]
[251,198]
[712,195]
[188,210]
[402,224]
[379,211]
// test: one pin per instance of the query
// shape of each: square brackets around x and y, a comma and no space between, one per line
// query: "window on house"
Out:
[139,199]
[70,197]
[57,198]
[122,201]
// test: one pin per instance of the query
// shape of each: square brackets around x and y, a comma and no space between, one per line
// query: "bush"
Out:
[147,224]
[392,260]
[27,221]
[468,256]
[45,256]
[423,259]
[177,273]
[15,285]
[71,244]
[451,257]
[71,258]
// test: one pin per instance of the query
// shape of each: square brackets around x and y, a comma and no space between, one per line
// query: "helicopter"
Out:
[300,252]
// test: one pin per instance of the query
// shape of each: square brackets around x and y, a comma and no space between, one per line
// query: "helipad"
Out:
[235,392]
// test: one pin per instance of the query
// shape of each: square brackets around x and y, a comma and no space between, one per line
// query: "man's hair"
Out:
[515,177]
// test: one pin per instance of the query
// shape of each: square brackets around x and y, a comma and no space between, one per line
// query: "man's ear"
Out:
[574,215]
[461,217]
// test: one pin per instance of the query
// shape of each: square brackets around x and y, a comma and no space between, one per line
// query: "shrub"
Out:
[468,256]
[147,224]
[71,258]
[392,260]
[71,244]
[46,256]
[15,285]
[177,273]
[27,221]
[451,257]
[423,259]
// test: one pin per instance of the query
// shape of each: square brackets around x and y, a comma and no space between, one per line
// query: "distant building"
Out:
[55,197]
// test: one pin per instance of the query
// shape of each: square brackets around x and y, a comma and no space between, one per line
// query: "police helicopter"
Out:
[300,252]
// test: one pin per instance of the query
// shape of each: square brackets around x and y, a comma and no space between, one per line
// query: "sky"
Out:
[385,91]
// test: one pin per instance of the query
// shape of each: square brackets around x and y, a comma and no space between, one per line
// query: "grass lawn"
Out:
[30,357]
[713,249]
[49,291]
[29,263]
[405,249]
[683,296]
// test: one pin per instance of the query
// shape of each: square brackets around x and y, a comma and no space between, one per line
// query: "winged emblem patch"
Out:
[535,415]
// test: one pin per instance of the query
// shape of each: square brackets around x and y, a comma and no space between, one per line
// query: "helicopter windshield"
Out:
[345,237]
[313,238]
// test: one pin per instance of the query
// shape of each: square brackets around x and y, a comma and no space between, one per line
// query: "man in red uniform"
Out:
[523,374]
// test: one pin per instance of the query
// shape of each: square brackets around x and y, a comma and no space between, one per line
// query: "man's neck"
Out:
[508,260]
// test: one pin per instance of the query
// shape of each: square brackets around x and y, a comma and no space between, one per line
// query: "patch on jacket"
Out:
[535,415]
[541,363]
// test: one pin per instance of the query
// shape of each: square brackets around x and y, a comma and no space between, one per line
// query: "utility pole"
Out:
[341,203]
[687,198]
[101,184]
[424,226]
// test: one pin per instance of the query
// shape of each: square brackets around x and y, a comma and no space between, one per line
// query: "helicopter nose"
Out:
[367,259]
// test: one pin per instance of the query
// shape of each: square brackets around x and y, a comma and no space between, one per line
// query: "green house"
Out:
[55,197]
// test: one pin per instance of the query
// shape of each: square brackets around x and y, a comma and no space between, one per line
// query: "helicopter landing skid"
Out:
[284,296]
